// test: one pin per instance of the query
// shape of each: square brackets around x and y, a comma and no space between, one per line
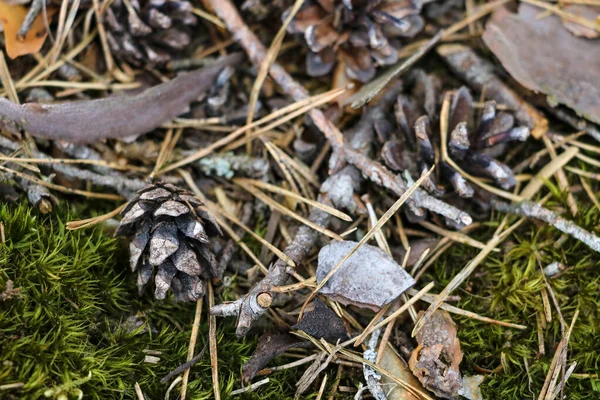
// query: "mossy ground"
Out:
[78,301]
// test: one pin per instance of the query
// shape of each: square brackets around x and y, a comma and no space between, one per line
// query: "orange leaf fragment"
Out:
[11,18]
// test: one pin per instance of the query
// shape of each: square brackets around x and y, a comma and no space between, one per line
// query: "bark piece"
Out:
[323,322]
[368,278]
[544,57]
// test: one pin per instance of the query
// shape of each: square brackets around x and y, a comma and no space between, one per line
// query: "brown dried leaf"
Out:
[543,56]
[436,359]
[369,278]
[323,322]
[394,364]
[11,18]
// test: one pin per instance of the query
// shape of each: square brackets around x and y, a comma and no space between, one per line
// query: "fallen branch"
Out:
[117,117]
[341,150]
[534,210]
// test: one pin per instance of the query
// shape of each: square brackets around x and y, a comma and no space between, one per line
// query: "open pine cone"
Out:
[358,32]
[473,146]
[171,230]
[149,32]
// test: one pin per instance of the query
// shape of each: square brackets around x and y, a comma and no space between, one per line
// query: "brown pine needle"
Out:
[547,171]
[453,235]
[430,298]
[187,177]
[212,346]
[286,113]
[86,223]
[284,210]
[191,347]
[270,58]
[276,189]
[395,314]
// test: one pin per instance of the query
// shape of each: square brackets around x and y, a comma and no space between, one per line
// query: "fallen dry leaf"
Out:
[436,359]
[369,278]
[417,248]
[322,322]
[11,18]
[543,56]
[395,365]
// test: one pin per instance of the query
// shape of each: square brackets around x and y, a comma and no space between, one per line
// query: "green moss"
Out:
[507,286]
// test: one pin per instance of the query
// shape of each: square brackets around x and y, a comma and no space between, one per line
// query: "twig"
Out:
[534,210]
[32,13]
[186,365]
[373,170]
[125,116]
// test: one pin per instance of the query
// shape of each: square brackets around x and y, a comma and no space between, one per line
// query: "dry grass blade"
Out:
[86,223]
[395,314]
[209,17]
[275,205]
[464,274]
[260,239]
[7,81]
[302,169]
[283,166]
[192,346]
[250,388]
[270,58]
[187,177]
[276,189]
[547,171]
[452,235]
[565,15]
[287,113]
[430,298]
[138,392]
[385,218]
[63,189]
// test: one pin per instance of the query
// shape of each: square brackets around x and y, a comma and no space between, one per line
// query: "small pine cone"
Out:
[473,145]
[170,231]
[361,33]
[149,32]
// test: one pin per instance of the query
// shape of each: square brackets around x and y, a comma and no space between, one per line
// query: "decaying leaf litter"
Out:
[316,189]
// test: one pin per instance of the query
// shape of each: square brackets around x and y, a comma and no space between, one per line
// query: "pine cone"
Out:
[170,230]
[144,32]
[359,32]
[474,147]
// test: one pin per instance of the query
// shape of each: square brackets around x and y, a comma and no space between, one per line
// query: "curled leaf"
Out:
[369,278]
[436,359]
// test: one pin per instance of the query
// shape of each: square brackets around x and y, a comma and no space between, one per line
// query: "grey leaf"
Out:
[369,278]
